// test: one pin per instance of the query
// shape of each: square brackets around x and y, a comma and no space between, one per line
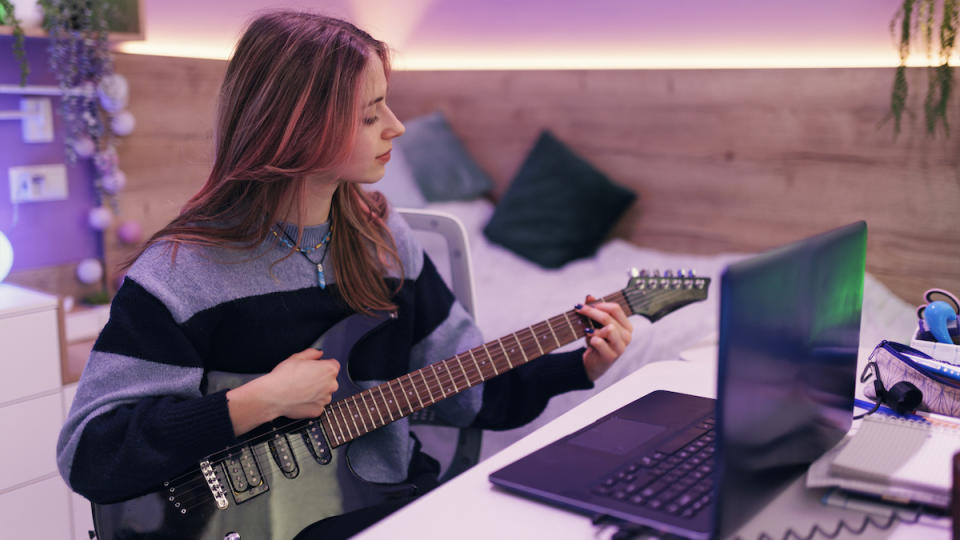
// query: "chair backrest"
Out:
[448,247]
[457,254]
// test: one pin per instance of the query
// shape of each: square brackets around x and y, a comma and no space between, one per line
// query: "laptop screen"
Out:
[789,335]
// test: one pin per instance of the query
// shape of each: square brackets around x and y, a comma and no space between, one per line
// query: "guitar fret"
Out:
[550,326]
[340,407]
[415,391]
[436,376]
[333,416]
[520,345]
[361,408]
[353,417]
[479,371]
[427,386]
[404,394]
[535,340]
[375,407]
[453,381]
[505,355]
[328,427]
[572,329]
[492,361]
[386,403]
[465,376]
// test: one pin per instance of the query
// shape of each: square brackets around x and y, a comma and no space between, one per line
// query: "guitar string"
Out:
[524,341]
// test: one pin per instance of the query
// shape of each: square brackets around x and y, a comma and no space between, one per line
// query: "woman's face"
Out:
[378,127]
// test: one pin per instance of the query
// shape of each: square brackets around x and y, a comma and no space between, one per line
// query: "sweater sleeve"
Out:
[139,416]
[518,396]
[444,328]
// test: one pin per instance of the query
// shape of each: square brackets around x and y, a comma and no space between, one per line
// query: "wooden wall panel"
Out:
[723,160]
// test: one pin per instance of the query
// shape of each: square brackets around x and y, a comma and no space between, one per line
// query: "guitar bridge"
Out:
[214,484]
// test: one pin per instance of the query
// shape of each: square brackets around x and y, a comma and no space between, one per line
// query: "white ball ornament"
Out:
[123,123]
[114,92]
[114,183]
[129,232]
[84,146]
[89,271]
[100,218]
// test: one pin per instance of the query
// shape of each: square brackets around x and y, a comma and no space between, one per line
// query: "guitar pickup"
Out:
[243,472]
[317,443]
[283,455]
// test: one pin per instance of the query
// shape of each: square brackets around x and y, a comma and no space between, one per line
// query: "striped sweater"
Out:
[151,401]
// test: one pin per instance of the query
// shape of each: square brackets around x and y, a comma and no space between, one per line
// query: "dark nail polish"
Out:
[589,330]
[578,306]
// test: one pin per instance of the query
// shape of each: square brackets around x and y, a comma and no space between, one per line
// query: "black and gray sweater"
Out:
[151,401]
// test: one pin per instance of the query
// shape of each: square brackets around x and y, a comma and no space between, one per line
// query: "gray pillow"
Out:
[440,164]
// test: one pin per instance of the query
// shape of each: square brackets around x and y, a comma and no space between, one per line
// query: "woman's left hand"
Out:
[606,344]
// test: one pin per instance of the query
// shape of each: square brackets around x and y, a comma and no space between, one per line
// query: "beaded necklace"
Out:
[287,241]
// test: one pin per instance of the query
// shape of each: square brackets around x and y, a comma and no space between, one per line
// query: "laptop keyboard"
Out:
[676,478]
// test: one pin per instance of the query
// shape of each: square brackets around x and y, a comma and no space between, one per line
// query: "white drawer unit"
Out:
[30,429]
[34,501]
[38,510]
[29,343]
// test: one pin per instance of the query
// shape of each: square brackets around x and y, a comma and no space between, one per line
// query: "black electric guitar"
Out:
[283,477]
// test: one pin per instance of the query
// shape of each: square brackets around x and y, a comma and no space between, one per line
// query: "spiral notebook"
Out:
[901,456]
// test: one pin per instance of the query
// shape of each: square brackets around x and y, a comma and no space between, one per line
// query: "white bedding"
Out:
[513,293]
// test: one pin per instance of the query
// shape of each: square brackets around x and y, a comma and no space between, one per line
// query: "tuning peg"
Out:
[644,273]
[668,273]
[693,273]
[634,273]
[656,273]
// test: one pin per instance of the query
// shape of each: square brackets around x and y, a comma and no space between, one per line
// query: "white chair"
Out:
[444,238]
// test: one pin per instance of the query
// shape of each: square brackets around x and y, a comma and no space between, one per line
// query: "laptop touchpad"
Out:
[616,435]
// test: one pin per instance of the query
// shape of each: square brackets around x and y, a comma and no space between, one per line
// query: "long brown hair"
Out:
[289,107]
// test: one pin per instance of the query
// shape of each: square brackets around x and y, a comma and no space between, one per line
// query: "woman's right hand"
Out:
[302,385]
[299,387]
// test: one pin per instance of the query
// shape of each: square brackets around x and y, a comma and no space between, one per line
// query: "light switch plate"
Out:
[33,183]
[37,124]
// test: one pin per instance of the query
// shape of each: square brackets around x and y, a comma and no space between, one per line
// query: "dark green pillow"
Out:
[558,207]
[440,164]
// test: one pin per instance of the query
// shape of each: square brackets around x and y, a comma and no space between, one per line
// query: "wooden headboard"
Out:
[722,160]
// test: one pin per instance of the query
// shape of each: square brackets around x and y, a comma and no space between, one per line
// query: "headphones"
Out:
[939,317]
[903,397]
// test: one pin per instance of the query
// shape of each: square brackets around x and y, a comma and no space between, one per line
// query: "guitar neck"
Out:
[363,412]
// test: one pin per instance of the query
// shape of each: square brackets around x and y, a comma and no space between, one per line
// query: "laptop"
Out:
[697,467]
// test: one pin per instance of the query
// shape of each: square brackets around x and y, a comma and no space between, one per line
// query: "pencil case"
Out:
[892,362]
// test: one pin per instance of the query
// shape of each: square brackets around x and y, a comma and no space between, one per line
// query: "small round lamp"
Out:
[6,256]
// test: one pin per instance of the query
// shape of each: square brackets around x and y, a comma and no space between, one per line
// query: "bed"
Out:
[512,293]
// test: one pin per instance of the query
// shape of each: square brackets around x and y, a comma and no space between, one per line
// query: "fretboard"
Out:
[363,412]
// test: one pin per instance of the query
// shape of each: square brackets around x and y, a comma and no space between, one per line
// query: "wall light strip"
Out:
[594,60]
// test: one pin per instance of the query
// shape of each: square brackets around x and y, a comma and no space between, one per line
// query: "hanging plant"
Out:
[920,16]
[8,17]
[94,98]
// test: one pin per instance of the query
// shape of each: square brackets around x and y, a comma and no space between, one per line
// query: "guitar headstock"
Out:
[655,295]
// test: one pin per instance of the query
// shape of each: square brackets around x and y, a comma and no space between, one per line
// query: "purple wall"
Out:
[45,233]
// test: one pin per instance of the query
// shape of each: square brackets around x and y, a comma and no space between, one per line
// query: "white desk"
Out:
[470,507]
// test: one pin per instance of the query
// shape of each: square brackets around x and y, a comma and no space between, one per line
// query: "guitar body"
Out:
[285,481]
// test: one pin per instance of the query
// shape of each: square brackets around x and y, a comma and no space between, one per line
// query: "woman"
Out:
[210,334]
